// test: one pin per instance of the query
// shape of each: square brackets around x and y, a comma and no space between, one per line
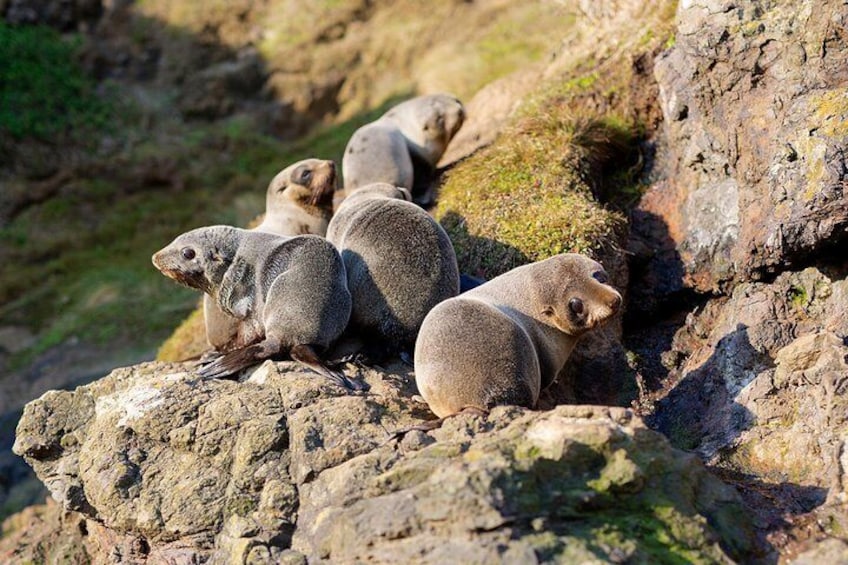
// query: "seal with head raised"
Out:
[404,145]
[506,340]
[299,201]
[399,262]
[288,293]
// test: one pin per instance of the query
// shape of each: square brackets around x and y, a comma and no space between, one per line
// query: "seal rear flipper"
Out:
[306,355]
[236,360]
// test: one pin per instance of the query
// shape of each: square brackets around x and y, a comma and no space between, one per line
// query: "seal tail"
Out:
[306,355]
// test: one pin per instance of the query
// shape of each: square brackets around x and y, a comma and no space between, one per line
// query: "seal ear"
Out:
[405,191]
[214,255]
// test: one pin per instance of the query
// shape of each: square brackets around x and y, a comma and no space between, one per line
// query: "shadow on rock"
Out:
[481,257]
[700,412]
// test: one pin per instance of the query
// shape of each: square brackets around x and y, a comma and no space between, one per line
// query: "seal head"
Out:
[299,199]
[199,258]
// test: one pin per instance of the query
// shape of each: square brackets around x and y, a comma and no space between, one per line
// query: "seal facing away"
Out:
[404,145]
[506,340]
[299,201]
[288,293]
[399,262]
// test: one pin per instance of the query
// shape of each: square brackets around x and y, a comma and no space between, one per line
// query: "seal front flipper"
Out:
[306,355]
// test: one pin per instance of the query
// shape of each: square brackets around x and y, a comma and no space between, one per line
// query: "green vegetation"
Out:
[44,92]
[82,258]
[534,192]
[797,295]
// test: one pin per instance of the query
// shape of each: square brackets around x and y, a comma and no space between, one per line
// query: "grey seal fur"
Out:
[399,261]
[298,201]
[288,293]
[404,145]
[506,340]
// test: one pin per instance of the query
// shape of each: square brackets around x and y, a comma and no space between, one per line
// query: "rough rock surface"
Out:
[755,101]
[163,466]
[762,381]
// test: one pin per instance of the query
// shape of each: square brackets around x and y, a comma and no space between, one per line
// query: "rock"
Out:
[45,533]
[761,382]
[488,112]
[833,551]
[755,102]
[159,465]
[65,15]
[217,91]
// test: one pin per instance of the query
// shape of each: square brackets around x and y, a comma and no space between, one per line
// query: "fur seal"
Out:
[399,262]
[299,201]
[505,341]
[288,293]
[404,145]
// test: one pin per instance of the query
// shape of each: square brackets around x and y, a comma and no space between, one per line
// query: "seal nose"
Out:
[615,303]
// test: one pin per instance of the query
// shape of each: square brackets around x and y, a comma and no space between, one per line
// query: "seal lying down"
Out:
[289,293]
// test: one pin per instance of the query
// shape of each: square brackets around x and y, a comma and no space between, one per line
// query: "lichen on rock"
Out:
[283,465]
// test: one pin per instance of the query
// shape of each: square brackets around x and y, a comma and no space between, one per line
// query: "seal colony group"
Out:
[386,272]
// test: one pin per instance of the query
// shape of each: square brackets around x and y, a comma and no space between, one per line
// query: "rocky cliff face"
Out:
[750,372]
[754,98]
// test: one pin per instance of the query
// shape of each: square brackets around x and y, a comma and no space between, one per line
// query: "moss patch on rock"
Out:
[530,196]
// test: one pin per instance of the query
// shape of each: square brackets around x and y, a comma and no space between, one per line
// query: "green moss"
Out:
[44,92]
[670,42]
[797,294]
[620,475]
[529,195]
[241,505]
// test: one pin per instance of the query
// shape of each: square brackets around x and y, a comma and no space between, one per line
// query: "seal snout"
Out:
[615,303]
[156,259]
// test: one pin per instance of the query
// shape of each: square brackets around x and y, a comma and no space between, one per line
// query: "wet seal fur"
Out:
[404,145]
[506,340]
[299,201]
[288,293]
[399,261]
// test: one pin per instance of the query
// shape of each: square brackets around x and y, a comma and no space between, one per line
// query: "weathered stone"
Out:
[755,100]
[217,91]
[284,466]
[762,379]
[834,551]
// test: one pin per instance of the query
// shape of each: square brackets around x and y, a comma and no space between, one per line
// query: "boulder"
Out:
[160,465]
[760,382]
[755,101]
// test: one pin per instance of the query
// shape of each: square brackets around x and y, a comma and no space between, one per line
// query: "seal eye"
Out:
[601,277]
[305,176]
[188,253]
[576,306]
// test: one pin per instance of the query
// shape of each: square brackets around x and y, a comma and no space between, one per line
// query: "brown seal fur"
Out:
[289,294]
[506,340]
[399,262]
[404,145]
